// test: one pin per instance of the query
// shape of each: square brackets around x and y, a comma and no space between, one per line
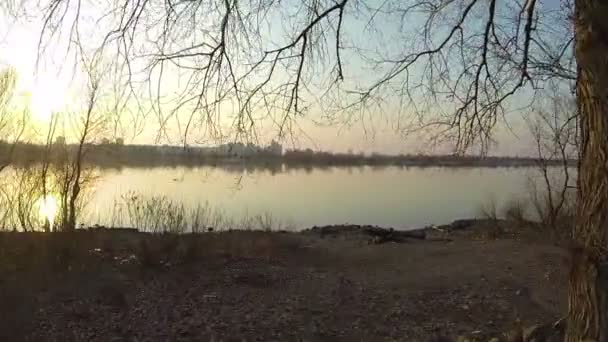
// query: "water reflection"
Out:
[290,197]
[42,198]
[389,196]
[48,208]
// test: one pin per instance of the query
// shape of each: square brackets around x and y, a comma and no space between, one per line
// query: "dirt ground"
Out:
[258,286]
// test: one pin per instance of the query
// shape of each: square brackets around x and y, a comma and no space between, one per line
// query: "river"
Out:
[397,197]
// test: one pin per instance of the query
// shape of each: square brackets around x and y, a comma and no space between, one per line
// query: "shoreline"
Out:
[345,229]
[278,166]
[117,156]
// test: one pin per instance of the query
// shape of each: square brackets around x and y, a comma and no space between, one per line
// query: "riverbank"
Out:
[476,278]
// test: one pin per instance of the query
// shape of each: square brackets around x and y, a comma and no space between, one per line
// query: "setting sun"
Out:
[46,98]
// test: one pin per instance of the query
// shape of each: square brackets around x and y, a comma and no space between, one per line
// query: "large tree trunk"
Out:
[588,294]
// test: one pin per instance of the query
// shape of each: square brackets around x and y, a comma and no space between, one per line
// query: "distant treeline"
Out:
[118,155]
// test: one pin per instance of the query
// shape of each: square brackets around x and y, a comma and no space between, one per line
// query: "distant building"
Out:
[275,148]
[236,149]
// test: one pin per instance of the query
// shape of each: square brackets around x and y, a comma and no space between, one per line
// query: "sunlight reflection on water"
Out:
[47,208]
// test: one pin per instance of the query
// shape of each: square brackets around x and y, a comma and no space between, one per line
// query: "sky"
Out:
[53,85]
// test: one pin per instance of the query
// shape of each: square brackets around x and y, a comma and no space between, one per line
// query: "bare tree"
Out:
[555,133]
[63,168]
[456,66]
[20,199]
[71,174]
[233,59]
[45,164]
[12,123]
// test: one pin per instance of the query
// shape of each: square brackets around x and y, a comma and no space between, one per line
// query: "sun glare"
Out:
[46,99]
[47,208]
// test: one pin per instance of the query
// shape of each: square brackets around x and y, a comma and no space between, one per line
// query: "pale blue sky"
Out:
[55,86]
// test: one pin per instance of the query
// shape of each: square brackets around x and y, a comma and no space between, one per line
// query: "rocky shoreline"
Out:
[380,235]
[377,233]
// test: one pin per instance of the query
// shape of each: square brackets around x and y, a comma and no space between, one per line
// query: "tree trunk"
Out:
[588,293]
[71,224]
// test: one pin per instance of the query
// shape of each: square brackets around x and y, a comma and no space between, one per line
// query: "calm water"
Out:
[393,197]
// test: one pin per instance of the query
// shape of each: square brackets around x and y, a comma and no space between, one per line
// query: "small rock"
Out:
[131,259]
[209,297]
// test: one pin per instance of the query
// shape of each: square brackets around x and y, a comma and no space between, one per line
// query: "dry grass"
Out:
[489,209]
[532,217]
[160,214]
[514,211]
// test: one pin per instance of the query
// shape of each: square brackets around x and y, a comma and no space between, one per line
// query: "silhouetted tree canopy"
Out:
[454,67]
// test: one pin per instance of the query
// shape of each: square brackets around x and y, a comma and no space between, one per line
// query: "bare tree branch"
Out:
[260,59]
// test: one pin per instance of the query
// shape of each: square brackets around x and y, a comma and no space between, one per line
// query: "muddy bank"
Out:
[104,285]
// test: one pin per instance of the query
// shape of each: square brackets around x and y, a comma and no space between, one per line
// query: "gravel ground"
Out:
[254,286]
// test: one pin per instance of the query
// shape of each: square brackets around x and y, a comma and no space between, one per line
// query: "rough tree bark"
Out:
[588,312]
